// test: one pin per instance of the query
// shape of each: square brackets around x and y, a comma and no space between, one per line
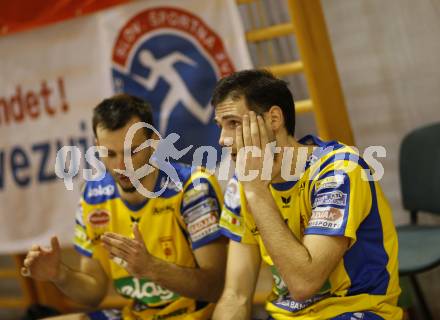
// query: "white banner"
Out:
[168,52]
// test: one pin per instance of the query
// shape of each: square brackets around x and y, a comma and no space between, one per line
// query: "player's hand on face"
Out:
[131,254]
[43,263]
[253,138]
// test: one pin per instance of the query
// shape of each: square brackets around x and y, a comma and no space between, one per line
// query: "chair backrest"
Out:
[420,169]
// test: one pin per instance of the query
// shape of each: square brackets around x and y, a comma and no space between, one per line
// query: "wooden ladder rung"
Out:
[8,273]
[239,2]
[284,69]
[267,33]
[303,106]
[12,303]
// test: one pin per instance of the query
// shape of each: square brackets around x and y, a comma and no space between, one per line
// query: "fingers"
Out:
[239,137]
[254,130]
[116,252]
[120,239]
[116,249]
[55,244]
[137,234]
[247,140]
[30,258]
[264,139]
[121,247]
[25,272]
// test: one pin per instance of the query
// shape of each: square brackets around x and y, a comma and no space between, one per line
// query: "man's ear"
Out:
[276,118]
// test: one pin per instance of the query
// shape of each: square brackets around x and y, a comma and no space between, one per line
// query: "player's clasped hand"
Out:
[43,263]
[131,254]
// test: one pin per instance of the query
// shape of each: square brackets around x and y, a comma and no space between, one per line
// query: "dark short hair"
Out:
[261,90]
[115,112]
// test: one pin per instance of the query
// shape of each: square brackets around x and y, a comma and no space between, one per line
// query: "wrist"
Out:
[256,190]
[148,269]
[61,274]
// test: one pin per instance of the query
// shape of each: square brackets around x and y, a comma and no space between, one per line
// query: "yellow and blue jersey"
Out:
[333,197]
[173,225]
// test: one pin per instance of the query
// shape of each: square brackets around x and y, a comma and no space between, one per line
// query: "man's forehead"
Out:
[230,106]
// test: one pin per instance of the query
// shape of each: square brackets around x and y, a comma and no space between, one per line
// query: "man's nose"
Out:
[120,163]
[225,140]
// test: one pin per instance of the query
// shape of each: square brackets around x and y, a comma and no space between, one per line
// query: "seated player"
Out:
[326,231]
[164,254]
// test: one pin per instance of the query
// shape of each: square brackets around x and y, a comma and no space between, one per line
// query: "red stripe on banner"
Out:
[21,15]
[173,18]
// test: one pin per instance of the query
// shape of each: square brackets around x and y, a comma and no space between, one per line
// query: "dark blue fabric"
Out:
[358,316]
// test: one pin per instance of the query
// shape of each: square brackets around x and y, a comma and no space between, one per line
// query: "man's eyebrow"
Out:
[227,117]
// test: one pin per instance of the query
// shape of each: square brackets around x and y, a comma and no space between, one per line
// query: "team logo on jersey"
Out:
[135,220]
[162,210]
[173,59]
[168,248]
[144,290]
[99,218]
[286,201]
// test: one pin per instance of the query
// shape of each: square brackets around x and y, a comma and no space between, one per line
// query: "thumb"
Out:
[55,244]
[137,233]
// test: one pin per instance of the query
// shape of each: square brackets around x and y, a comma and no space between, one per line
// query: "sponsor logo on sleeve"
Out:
[193,195]
[203,207]
[231,222]
[331,182]
[204,232]
[80,234]
[326,217]
[203,223]
[79,215]
[336,197]
[232,194]
[100,191]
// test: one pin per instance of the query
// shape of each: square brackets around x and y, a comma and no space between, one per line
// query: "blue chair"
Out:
[419,246]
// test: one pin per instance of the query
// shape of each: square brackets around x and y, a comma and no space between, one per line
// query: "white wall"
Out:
[388,57]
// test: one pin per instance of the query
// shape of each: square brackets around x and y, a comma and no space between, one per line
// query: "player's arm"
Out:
[304,266]
[241,278]
[204,283]
[87,286]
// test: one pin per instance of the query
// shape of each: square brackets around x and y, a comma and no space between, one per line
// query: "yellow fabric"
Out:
[331,198]
[172,225]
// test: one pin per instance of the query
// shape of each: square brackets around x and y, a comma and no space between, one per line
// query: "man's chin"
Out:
[125,186]
[128,189]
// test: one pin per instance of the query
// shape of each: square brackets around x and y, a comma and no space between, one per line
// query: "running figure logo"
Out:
[174,67]
[164,67]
